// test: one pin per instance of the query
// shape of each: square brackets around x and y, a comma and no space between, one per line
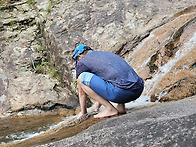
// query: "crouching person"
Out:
[105,77]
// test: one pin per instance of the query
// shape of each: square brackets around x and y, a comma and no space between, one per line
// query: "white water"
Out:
[21,136]
[151,84]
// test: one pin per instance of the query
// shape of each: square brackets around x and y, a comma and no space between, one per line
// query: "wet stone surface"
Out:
[167,124]
[163,30]
[22,128]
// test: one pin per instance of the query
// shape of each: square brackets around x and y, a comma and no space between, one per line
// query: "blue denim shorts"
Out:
[107,90]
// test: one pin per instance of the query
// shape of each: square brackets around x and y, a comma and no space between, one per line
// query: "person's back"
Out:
[111,68]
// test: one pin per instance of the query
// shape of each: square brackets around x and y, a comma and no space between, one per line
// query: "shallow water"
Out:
[16,129]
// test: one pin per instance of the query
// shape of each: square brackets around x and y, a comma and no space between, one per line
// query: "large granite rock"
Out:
[36,34]
[166,124]
[155,38]
[25,88]
[166,59]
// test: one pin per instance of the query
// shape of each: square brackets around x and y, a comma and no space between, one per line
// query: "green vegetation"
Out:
[54,73]
[52,1]
[42,65]
[134,12]
[2,3]
[30,2]
[75,84]
[40,48]
[48,9]
[12,22]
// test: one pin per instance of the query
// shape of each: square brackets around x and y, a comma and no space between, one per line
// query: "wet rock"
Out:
[181,89]
[168,59]
[116,26]
[167,124]
[4,103]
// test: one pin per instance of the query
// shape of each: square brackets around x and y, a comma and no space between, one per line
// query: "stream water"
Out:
[12,130]
[21,129]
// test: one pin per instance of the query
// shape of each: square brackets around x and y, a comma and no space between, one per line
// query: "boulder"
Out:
[25,86]
[165,59]
[38,38]
[147,34]
[166,124]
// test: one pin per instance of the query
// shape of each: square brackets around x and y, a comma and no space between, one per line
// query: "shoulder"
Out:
[100,53]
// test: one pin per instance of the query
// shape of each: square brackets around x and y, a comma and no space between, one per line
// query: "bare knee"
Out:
[79,80]
[79,83]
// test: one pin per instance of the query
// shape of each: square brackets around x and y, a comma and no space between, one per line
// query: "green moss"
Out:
[75,84]
[30,2]
[12,22]
[48,9]
[40,48]
[2,3]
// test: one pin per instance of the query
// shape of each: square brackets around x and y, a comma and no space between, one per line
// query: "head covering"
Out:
[80,49]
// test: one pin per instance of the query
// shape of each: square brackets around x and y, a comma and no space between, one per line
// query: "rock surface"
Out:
[117,26]
[166,124]
[157,38]
[25,89]
[37,35]
[166,59]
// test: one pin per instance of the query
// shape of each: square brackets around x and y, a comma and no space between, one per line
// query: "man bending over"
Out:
[105,77]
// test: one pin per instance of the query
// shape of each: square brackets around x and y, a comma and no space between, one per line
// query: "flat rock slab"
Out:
[167,124]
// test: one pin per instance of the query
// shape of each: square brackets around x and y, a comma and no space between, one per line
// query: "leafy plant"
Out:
[54,73]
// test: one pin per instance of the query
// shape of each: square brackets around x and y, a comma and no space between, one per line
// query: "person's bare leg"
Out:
[82,100]
[110,110]
[121,108]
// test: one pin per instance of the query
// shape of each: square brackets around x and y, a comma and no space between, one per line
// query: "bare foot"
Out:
[121,108]
[80,115]
[94,108]
[106,113]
